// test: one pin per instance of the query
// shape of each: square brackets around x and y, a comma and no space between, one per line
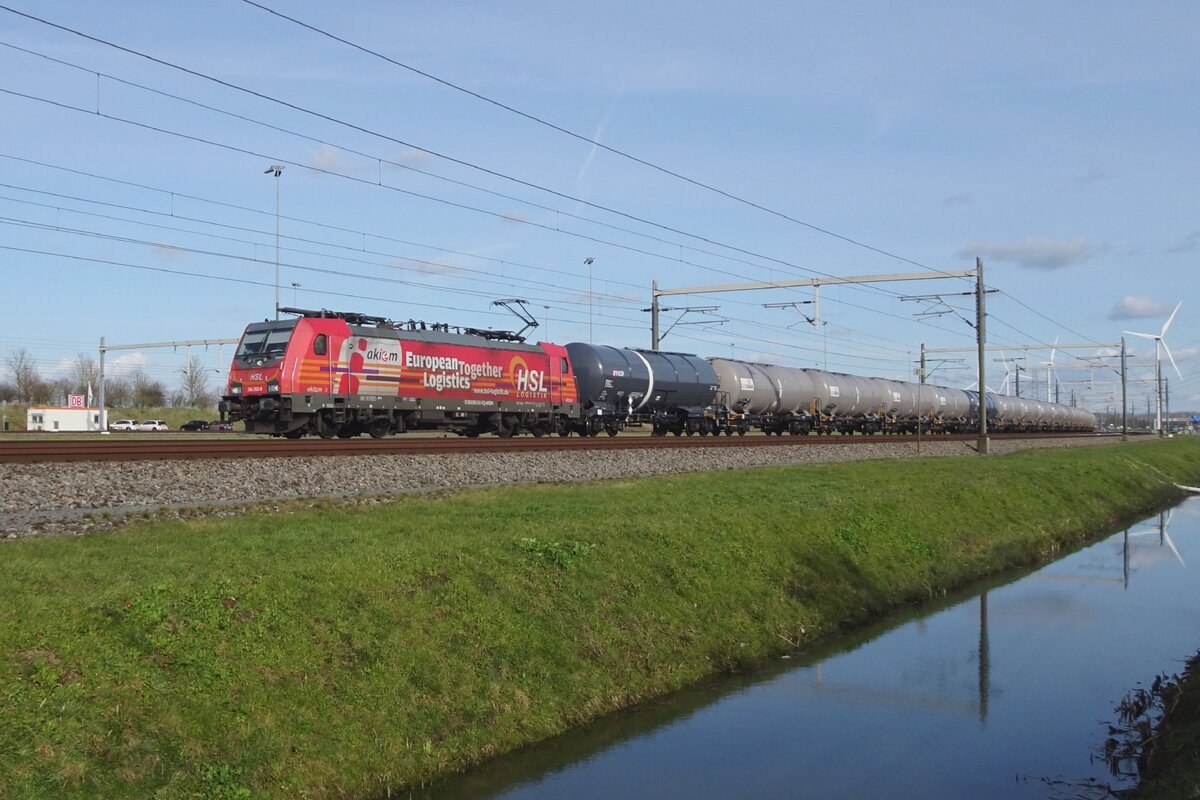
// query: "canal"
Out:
[1005,692]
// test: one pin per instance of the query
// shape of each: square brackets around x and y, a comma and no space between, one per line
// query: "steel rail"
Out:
[149,449]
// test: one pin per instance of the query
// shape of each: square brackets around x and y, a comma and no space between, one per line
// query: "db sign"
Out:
[75,401]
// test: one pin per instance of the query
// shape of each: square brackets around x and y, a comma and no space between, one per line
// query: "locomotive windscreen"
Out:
[265,341]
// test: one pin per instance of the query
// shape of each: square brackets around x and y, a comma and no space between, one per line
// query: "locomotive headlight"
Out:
[273,387]
[235,388]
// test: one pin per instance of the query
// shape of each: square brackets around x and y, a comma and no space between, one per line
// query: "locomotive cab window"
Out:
[264,343]
[566,367]
[319,345]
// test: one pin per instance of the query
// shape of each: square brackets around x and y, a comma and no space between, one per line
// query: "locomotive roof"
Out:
[440,337]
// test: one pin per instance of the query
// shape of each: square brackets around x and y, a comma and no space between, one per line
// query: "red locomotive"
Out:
[341,374]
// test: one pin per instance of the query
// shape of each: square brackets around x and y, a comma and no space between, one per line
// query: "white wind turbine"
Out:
[1008,373]
[1160,344]
[1049,365]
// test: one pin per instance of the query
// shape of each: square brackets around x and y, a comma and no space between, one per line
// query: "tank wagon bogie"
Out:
[335,374]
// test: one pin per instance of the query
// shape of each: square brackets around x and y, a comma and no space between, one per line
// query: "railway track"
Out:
[149,449]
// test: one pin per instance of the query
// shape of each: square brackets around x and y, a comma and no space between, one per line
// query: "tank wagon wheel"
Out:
[326,427]
[379,427]
[612,431]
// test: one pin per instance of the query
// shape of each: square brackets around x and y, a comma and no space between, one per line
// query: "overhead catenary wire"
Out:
[595,239]
[173,214]
[395,140]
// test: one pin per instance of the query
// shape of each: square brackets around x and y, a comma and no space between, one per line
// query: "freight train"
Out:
[337,374]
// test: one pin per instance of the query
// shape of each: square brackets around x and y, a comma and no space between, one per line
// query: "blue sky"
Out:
[1056,141]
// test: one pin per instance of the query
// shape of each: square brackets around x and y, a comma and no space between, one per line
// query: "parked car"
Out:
[222,427]
[152,425]
[123,425]
[194,425]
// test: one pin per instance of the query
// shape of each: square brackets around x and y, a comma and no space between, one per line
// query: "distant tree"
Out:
[59,389]
[117,392]
[40,392]
[24,372]
[8,392]
[193,391]
[147,392]
[85,374]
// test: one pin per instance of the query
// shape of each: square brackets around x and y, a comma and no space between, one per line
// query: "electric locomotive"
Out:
[339,374]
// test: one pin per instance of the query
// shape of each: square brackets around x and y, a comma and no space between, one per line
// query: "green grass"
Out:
[352,648]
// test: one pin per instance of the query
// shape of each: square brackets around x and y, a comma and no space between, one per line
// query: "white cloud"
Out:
[1093,175]
[1138,307]
[429,267]
[1034,253]
[1187,244]
[169,252]
[328,159]
[125,364]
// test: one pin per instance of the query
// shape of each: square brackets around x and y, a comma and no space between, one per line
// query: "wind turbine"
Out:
[1162,530]
[1159,343]
[1008,373]
[1049,365]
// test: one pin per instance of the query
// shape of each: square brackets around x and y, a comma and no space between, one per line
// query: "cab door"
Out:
[562,379]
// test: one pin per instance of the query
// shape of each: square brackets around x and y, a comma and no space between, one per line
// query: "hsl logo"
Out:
[529,380]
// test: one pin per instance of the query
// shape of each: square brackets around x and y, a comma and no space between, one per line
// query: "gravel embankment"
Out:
[82,498]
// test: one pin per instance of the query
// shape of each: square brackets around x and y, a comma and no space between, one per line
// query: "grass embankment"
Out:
[345,650]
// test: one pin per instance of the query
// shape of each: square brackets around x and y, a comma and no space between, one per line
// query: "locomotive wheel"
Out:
[346,432]
[379,427]
[326,427]
[507,427]
[296,434]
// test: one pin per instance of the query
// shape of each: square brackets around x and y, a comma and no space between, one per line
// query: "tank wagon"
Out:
[673,392]
[336,374]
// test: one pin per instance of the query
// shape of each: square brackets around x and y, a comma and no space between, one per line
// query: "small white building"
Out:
[62,418]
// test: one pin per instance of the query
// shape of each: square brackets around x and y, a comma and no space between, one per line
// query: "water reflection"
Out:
[998,694]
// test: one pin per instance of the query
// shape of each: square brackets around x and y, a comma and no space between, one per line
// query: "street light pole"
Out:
[588,262]
[276,170]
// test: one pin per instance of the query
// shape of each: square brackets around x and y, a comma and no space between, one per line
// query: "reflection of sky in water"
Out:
[915,712]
